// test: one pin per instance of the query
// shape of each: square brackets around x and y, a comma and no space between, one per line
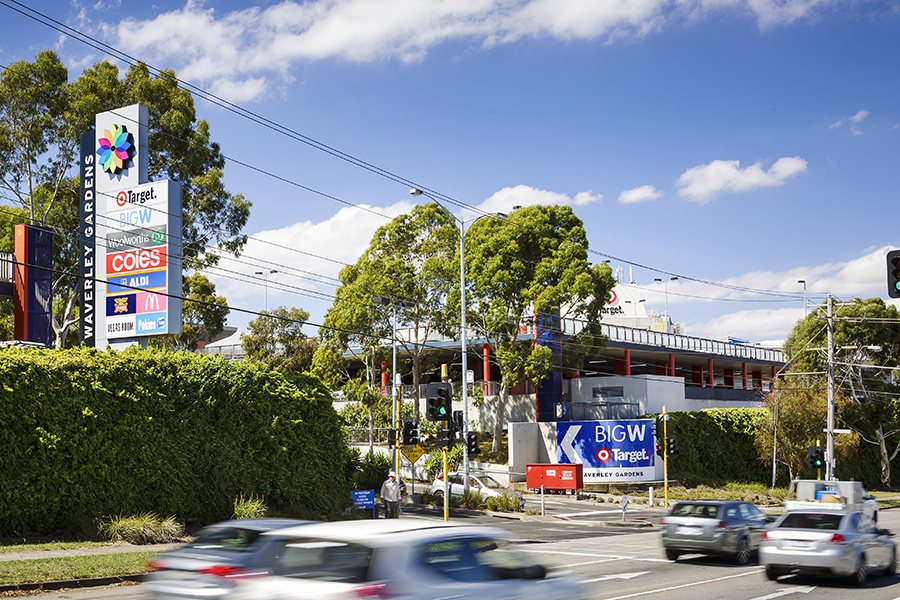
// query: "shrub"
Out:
[373,472]
[251,508]
[471,499]
[434,464]
[503,503]
[144,528]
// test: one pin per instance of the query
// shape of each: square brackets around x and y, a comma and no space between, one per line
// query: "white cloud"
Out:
[295,250]
[236,53]
[523,195]
[854,121]
[701,184]
[645,193]
[858,277]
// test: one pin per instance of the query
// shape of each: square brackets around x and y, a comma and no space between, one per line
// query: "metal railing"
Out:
[229,352]
[7,263]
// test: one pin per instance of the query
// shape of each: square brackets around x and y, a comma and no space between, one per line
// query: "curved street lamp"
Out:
[463,341]
[266,278]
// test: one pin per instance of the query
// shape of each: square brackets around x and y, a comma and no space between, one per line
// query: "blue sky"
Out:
[741,145]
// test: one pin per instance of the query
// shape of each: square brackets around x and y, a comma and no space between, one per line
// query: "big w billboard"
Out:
[609,450]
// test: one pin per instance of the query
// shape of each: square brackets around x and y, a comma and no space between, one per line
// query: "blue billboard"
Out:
[609,450]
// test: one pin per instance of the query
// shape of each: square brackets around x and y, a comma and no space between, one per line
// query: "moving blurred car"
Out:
[487,485]
[403,560]
[220,555]
[830,543]
[715,527]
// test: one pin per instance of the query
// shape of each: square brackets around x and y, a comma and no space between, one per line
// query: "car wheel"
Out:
[859,573]
[671,554]
[772,573]
[438,495]
[742,556]
[891,569]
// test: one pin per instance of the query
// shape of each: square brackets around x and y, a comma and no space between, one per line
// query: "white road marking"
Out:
[786,591]
[686,585]
[618,576]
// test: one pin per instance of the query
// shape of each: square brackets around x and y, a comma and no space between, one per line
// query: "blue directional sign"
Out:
[363,498]
[609,450]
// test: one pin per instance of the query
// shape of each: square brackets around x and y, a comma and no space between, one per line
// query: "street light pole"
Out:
[395,410]
[463,336]
[266,280]
[805,309]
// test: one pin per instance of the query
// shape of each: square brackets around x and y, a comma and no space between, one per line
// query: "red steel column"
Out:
[744,374]
[712,381]
[729,378]
[672,365]
[627,361]
[384,377]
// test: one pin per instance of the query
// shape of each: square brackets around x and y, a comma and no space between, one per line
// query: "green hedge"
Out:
[715,446]
[87,434]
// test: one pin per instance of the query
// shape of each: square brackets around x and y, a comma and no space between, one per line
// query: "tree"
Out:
[409,261]
[531,265]
[797,408]
[41,120]
[867,351]
[276,338]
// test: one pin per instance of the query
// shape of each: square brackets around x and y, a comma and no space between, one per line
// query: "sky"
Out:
[742,146]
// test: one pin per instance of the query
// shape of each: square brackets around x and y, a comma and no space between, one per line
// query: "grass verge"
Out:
[73,567]
[26,547]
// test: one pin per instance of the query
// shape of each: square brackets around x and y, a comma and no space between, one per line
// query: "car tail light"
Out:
[722,526]
[837,539]
[374,590]
[231,572]
[662,521]
[765,535]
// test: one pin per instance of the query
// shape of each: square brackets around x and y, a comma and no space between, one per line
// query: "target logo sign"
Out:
[121,198]
[612,297]
[603,454]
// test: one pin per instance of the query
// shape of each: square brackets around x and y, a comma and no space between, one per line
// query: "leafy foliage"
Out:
[249,508]
[373,472]
[867,356]
[276,338]
[531,264]
[94,433]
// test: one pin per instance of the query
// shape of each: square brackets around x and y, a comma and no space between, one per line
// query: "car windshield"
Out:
[811,521]
[474,559]
[689,509]
[229,539]
[489,482]
[326,560]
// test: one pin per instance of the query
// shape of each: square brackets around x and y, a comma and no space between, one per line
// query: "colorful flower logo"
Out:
[116,147]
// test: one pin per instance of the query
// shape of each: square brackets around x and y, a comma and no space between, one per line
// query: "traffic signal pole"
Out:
[665,417]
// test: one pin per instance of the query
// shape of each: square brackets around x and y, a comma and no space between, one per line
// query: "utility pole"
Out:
[829,449]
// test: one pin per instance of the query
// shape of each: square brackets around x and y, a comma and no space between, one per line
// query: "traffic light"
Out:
[408,428]
[660,448]
[815,457]
[443,438]
[392,437]
[415,436]
[438,401]
[672,446]
[893,273]
[456,425]
[472,443]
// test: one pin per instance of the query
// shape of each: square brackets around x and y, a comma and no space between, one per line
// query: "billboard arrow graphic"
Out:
[567,447]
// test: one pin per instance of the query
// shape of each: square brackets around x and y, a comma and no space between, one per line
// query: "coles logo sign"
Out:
[140,259]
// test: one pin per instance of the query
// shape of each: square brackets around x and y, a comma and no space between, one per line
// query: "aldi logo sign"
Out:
[609,450]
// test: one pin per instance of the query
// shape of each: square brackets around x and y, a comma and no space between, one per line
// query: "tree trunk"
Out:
[885,459]
[371,428]
[416,377]
[502,399]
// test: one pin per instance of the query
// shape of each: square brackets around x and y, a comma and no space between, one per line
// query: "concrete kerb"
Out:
[70,584]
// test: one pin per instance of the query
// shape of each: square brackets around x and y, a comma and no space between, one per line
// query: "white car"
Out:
[403,560]
[837,543]
[487,485]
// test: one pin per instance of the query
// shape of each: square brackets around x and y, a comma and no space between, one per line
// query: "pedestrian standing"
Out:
[390,496]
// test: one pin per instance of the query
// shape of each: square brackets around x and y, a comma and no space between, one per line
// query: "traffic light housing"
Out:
[443,438]
[815,457]
[456,425]
[472,443]
[672,446]
[438,401]
[407,433]
[893,273]
[660,447]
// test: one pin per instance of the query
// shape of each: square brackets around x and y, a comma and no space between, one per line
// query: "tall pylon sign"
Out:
[135,255]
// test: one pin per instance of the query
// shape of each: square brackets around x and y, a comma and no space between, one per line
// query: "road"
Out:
[623,563]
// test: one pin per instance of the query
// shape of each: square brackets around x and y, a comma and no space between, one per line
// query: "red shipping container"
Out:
[554,477]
